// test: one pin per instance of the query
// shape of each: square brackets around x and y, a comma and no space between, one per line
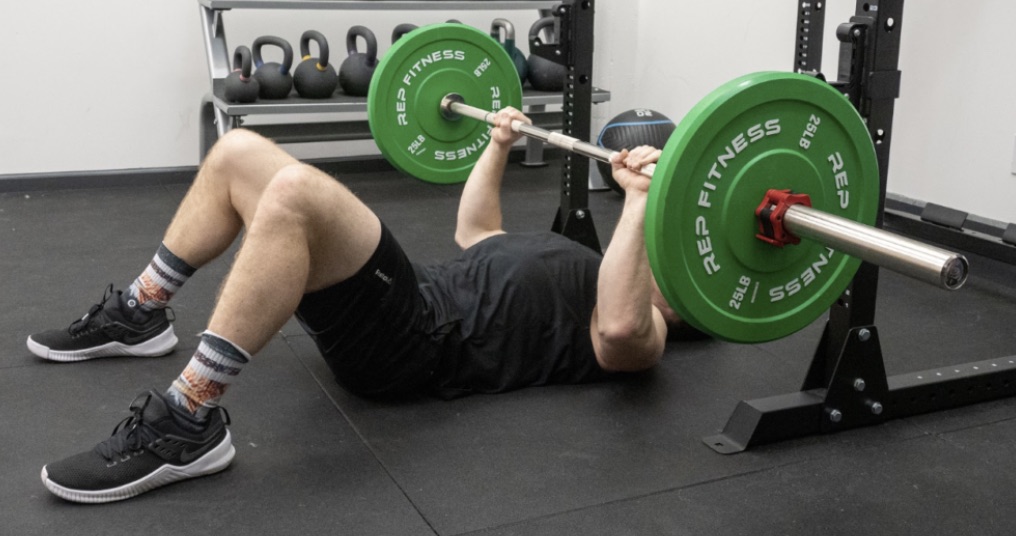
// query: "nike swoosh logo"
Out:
[192,451]
[133,337]
[187,456]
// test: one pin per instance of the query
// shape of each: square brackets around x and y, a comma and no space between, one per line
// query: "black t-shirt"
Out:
[513,311]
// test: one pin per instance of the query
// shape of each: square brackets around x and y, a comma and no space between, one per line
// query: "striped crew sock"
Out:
[202,383]
[161,279]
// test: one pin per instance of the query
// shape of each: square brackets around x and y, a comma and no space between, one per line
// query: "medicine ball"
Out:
[630,129]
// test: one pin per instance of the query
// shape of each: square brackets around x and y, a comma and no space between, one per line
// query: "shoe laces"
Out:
[130,434]
[82,323]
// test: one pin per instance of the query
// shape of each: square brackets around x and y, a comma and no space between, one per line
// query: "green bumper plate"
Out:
[404,100]
[761,131]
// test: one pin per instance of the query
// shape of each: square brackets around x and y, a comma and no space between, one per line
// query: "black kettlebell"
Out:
[314,78]
[240,85]
[400,30]
[274,78]
[358,67]
[544,75]
[518,58]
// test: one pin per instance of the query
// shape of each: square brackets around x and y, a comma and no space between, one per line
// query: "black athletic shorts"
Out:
[372,328]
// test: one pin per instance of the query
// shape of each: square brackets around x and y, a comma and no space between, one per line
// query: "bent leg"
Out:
[220,202]
[224,195]
[306,233]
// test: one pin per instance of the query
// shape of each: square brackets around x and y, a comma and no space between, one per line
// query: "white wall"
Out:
[116,84]
[99,85]
[955,123]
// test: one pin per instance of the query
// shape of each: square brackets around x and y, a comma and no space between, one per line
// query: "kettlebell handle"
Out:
[319,38]
[242,62]
[534,31]
[368,36]
[287,51]
[502,24]
[401,30]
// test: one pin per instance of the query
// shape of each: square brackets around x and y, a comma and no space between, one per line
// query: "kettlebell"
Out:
[401,30]
[314,78]
[240,85]
[544,75]
[274,78]
[518,58]
[358,67]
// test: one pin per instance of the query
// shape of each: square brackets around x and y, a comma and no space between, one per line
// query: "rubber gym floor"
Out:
[603,459]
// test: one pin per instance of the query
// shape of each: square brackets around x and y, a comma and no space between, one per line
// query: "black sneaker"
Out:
[156,446]
[110,328]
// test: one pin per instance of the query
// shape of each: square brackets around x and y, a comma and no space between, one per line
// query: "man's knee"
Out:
[302,194]
[235,147]
[294,192]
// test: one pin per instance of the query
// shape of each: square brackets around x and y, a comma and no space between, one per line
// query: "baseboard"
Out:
[973,222]
[79,180]
[981,236]
[120,178]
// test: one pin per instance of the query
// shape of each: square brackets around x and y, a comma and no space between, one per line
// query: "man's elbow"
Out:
[626,348]
[621,333]
[628,359]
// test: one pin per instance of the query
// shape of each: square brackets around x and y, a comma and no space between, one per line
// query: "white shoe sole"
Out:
[161,344]
[213,461]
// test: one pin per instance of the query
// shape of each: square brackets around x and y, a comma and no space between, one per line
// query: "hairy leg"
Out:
[224,195]
[307,232]
[304,232]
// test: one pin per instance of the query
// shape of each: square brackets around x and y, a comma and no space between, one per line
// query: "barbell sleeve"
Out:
[930,264]
[927,263]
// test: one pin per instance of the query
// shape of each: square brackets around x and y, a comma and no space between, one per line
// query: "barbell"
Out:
[758,164]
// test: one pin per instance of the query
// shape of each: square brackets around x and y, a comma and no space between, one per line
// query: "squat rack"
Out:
[574,49]
[846,385]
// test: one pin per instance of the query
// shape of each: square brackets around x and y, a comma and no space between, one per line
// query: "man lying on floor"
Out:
[513,310]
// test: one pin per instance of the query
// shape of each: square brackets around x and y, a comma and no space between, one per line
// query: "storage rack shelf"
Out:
[219,116]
